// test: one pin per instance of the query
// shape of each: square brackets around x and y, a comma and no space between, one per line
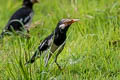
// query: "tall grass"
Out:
[87,54]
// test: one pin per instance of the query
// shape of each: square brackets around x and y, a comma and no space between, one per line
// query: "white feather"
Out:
[30,16]
[62,26]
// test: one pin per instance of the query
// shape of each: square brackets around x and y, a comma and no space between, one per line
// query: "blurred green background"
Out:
[87,54]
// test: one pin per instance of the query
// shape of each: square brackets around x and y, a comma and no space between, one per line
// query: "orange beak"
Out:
[75,20]
[35,1]
[70,21]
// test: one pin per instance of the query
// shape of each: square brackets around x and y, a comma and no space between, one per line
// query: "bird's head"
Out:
[34,1]
[29,2]
[64,24]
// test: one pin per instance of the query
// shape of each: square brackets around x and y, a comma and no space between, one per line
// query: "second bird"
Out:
[56,40]
[21,19]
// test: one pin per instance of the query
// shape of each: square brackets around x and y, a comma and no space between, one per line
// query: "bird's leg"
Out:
[59,51]
[56,60]
[27,35]
[28,31]
[47,59]
[52,50]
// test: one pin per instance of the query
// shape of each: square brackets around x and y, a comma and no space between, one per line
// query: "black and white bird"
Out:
[56,40]
[21,19]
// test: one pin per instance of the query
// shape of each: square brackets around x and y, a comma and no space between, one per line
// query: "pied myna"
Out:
[56,40]
[21,19]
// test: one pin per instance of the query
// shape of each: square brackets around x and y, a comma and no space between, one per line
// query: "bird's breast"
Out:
[53,48]
[59,39]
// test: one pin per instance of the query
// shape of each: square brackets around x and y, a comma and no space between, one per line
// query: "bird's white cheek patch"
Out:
[31,0]
[62,26]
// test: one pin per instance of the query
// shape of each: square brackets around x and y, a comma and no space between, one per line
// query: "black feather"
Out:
[17,21]
[20,18]
[58,37]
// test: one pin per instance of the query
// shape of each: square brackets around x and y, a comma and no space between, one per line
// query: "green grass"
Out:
[87,54]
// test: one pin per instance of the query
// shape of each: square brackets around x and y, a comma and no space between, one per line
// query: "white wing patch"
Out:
[42,44]
[50,41]
[21,20]
[29,17]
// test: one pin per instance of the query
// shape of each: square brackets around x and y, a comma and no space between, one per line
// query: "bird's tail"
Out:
[2,35]
[34,57]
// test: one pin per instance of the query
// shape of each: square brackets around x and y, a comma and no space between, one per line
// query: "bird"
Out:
[20,21]
[56,40]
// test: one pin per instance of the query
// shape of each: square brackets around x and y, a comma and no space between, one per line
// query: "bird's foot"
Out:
[59,67]
[28,36]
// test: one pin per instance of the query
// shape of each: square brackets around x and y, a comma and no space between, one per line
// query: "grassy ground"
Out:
[87,54]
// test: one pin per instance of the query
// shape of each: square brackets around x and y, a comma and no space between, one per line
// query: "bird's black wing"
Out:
[23,15]
[43,46]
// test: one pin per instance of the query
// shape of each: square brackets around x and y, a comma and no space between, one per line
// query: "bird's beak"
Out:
[70,21]
[75,20]
[35,1]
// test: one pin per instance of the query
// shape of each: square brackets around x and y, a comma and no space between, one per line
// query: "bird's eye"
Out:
[62,26]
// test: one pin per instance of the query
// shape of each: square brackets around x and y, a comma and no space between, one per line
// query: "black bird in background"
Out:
[56,40]
[21,19]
